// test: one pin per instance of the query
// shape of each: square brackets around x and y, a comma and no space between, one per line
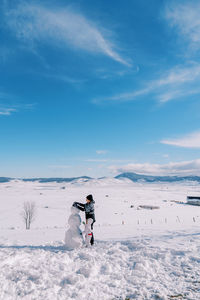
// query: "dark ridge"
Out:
[5,179]
[46,180]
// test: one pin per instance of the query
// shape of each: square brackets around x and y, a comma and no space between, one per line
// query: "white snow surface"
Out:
[138,253]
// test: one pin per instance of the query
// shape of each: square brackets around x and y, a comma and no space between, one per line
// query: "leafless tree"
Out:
[28,213]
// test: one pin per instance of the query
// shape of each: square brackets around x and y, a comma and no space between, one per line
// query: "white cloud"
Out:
[184,17]
[101,151]
[183,168]
[10,104]
[95,160]
[63,78]
[109,160]
[191,140]
[179,82]
[179,93]
[180,75]
[7,111]
[61,27]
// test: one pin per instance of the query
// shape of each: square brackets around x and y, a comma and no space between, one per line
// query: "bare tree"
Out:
[28,213]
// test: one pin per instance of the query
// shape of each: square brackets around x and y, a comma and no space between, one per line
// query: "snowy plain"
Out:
[138,253]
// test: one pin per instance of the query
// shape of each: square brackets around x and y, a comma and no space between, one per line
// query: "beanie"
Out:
[89,197]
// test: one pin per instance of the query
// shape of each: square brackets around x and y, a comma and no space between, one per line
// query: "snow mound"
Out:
[137,269]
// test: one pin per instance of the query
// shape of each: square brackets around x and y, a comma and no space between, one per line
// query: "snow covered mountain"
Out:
[149,178]
[123,177]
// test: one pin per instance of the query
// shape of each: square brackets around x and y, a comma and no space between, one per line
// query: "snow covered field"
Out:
[138,253]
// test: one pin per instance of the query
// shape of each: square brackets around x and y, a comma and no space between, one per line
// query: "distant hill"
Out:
[5,179]
[149,178]
[45,180]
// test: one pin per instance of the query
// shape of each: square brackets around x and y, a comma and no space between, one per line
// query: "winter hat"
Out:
[89,197]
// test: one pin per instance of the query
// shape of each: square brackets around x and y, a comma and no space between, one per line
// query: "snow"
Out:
[73,235]
[138,253]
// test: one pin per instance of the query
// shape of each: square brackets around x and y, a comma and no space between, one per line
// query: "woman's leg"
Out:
[88,232]
[92,239]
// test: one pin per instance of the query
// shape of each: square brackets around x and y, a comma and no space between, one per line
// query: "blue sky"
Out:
[99,87]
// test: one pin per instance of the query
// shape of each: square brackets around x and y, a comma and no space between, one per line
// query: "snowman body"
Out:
[73,235]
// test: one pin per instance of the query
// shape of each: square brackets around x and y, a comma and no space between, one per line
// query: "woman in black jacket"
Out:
[88,207]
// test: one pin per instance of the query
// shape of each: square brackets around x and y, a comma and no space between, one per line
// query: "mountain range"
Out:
[128,175]
[150,178]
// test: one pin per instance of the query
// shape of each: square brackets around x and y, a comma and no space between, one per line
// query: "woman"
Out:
[88,207]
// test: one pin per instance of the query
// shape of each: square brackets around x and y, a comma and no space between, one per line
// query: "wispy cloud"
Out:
[183,16]
[7,111]
[64,78]
[5,108]
[191,140]
[10,104]
[183,168]
[37,24]
[101,152]
[178,82]
[95,160]
[108,160]
[120,71]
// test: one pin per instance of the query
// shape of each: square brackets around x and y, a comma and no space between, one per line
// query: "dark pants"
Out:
[92,239]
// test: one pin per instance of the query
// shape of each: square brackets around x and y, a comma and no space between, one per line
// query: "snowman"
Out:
[73,236]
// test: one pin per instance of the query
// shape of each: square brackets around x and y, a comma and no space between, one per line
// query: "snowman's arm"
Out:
[79,205]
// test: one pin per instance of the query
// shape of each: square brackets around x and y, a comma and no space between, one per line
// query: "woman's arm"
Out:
[79,205]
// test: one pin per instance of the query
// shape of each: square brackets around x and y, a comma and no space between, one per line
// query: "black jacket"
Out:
[88,208]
